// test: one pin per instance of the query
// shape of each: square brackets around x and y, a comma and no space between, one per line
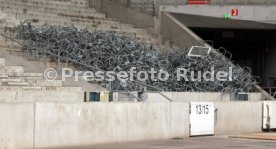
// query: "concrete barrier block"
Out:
[238,117]
[186,96]
[72,124]
[156,97]
[180,119]
[85,124]
[208,96]
[127,118]
[16,126]
[226,97]
[2,61]
[152,121]
[52,96]
[9,96]
[255,97]
[36,95]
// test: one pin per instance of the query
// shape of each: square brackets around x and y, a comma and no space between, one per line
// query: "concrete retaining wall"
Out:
[56,124]
[176,32]
[41,96]
[198,96]
[83,124]
[238,117]
[16,125]
[180,120]
[255,97]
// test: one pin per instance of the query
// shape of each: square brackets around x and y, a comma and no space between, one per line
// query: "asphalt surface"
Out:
[188,143]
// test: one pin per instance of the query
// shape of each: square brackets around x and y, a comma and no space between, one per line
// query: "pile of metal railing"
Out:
[109,51]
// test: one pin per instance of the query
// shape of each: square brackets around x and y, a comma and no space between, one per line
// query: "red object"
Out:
[198,2]
[235,12]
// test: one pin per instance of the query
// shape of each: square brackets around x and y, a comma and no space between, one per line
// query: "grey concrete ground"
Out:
[188,143]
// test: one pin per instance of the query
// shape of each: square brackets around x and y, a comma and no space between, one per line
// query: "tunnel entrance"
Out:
[248,47]
[252,44]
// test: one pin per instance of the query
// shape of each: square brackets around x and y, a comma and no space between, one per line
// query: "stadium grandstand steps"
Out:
[15,76]
[16,85]
[66,13]
[20,85]
[145,6]
[23,81]
[149,6]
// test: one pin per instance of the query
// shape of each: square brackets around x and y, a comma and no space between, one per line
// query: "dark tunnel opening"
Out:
[249,47]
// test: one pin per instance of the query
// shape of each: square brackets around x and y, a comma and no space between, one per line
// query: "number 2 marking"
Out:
[235,12]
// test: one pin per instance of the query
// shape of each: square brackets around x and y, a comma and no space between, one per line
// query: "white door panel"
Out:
[269,115]
[202,118]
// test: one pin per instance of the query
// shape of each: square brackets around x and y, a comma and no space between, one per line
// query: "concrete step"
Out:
[64,18]
[3,76]
[46,83]
[9,11]
[73,20]
[124,30]
[26,75]
[20,10]
[77,3]
[54,15]
[85,22]
[7,20]
[18,83]
[67,14]
[25,8]
[7,80]
[32,88]
[31,81]
[2,62]
[11,69]
[23,79]
[47,3]
[43,88]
